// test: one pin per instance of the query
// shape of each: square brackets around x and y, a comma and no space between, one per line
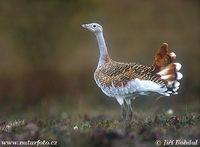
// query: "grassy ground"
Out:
[102,130]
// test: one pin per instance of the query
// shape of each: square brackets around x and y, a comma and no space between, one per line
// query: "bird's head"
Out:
[93,27]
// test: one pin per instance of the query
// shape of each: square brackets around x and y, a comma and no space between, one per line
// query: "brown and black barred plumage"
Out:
[118,74]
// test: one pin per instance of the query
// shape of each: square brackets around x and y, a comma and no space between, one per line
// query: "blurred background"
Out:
[47,60]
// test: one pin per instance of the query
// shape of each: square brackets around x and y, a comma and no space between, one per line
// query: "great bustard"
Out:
[124,81]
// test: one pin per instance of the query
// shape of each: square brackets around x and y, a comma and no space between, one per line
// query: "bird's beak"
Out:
[84,25]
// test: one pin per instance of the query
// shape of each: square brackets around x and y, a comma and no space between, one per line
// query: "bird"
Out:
[126,81]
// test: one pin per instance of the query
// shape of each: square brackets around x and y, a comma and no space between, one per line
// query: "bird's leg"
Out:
[123,111]
[122,103]
[129,115]
[130,112]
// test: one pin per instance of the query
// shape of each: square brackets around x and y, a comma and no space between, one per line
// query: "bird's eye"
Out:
[94,26]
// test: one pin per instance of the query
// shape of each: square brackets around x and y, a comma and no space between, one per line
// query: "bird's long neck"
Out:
[104,57]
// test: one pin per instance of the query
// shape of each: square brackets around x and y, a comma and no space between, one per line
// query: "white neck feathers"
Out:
[102,48]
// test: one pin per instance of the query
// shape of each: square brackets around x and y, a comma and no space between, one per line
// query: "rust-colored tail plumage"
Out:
[163,57]
[165,66]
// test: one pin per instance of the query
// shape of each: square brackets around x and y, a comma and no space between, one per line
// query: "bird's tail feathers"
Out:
[171,75]
[163,58]
[165,66]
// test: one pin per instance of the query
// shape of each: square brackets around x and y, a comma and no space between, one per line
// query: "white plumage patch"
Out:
[176,84]
[179,76]
[172,54]
[120,100]
[178,66]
